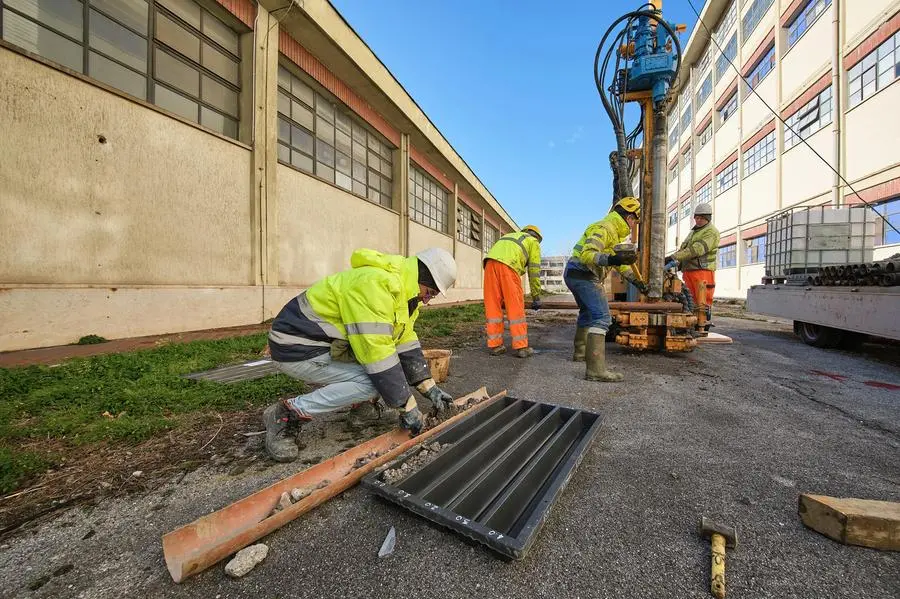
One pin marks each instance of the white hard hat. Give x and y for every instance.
(441, 265)
(703, 209)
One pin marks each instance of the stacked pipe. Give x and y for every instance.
(885, 273)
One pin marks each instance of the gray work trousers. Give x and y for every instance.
(344, 383)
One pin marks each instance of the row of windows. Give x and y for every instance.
(673, 135)
(754, 253)
(876, 71)
(760, 154)
(765, 65)
(729, 108)
(318, 137)
(491, 235)
(727, 23)
(805, 18)
(468, 225)
(703, 195)
(729, 52)
(428, 201)
(727, 178)
(673, 217)
(705, 90)
(706, 135)
(753, 16)
(890, 210)
(169, 52)
(813, 116)
(686, 118)
(686, 208)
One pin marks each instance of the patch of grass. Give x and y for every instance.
(443, 322)
(91, 340)
(17, 466)
(129, 396)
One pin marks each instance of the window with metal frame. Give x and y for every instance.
(705, 90)
(727, 22)
(753, 16)
(686, 165)
(673, 173)
(491, 235)
(468, 225)
(729, 109)
(686, 208)
(428, 201)
(318, 136)
(759, 155)
(673, 217)
(706, 135)
(723, 62)
(875, 71)
(704, 193)
(728, 256)
(756, 250)
(673, 131)
(762, 68)
(686, 117)
(705, 60)
(805, 18)
(727, 178)
(890, 210)
(190, 64)
(813, 116)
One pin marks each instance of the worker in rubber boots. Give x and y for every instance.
(510, 257)
(352, 333)
(592, 258)
(697, 256)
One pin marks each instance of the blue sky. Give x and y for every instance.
(510, 85)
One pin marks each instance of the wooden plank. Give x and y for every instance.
(863, 522)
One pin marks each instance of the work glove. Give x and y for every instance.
(642, 286)
(439, 398)
(411, 417)
(671, 264)
(618, 259)
(535, 304)
(670, 258)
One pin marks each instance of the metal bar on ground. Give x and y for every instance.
(204, 542)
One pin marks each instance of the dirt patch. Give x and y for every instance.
(232, 445)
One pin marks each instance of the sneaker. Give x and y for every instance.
(525, 352)
(280, 438)
(498, 351)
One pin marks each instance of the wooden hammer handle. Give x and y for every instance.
(717, 571)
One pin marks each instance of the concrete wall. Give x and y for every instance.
(808, 55)
(866, 151)
(703, 162)
(308, 209)
(754, 112)
(759, 194)
(727, 138)
(803, 175)
(72, 214)
(864, 15)
(725, 209)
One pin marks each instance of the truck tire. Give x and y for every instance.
(818, 335)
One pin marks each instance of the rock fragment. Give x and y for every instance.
(246, 559)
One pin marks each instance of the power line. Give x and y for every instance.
(712, 38)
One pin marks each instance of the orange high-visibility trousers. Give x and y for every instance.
(692, 279)
(503, 288)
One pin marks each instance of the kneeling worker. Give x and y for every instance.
(506, 262)
(592, 257)
(352, 332)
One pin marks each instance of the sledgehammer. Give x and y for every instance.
(720, 536)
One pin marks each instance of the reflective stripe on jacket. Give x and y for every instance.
(600, 238)
(368, 306)
(520, 251)
(700, 249)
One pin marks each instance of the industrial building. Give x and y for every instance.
(175, 165)
(828, 68)
(552, 268)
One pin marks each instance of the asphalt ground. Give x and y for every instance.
(733, 432)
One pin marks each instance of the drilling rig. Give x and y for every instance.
(637, 61)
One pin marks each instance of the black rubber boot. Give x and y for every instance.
(281, 426)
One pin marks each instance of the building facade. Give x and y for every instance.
(174, 165)
(828, 68)
(552, 268)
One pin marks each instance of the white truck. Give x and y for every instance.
(820, 274)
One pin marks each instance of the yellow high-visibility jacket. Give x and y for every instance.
(520, 251)
(600, 238)
(700, 249)
(367, 306)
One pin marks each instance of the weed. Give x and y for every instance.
(16, 466)
(91, 340)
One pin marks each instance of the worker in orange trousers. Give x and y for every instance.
(510, 257)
